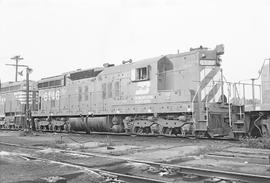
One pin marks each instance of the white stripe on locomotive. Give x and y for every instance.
(211, 83)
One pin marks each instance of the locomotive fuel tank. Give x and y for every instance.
(88, 124)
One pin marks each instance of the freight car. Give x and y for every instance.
(13, 103)
(175, 94)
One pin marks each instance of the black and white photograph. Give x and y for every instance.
(134, 91)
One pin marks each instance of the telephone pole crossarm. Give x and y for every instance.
(17, 58)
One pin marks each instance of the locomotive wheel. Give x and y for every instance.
(163, 131)
(168, 131)
(58, 129)
(183, 133)
(37, 128)
(147, 130)
(140, 131)
(50, 127)
(66, 127)
(176, 131)
(45, 128)
(135, 130)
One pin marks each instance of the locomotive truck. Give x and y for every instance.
(175, 94)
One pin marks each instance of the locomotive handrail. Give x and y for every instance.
(230, 115)
(192, 103)
(260, 71)
(207, 111)
(168, 71)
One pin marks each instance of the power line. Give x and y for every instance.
(17, 58)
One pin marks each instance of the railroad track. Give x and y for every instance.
(108, 175)
(204, 174)
(125, 134)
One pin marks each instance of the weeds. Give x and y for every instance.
(258, 143)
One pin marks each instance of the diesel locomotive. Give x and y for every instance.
(257, 115)
(13, 103)
(176, 94)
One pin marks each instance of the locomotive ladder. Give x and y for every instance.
(238, 126)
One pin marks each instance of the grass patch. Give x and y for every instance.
(258, 143)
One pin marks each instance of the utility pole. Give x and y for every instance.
(17, 58)
(27, 112)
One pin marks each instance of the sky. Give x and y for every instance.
(56, 36)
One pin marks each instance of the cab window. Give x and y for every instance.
(140, 74)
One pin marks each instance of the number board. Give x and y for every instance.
(208, 62)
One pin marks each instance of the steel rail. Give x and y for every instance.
(204, 172)
(106, 173)
(124, 177)
(132, 134)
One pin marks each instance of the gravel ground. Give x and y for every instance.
(16, 169)
(159, 149)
